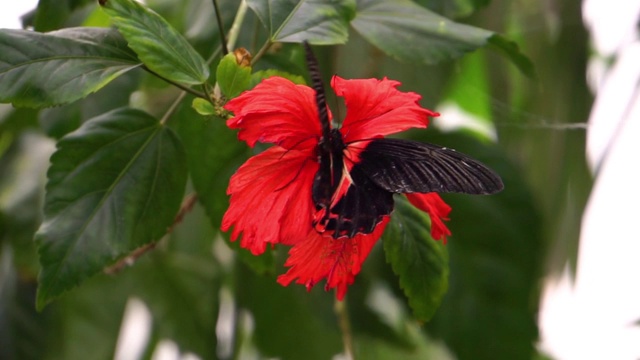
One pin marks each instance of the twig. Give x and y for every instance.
(223, 38)
(180, 86)
(187, 205)
(340, 307)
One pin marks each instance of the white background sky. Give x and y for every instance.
(10, 12)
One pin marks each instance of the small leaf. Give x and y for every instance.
(40, 70)
(411, 33)
(114, 185)
(419, 261)
(258, 76)
(203, 107)
(232, 78)
(161, 47)
(320, 22)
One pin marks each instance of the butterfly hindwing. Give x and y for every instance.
(405, 166)
(361, 208)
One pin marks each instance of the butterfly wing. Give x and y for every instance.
(405, 166)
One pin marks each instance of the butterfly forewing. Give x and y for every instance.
(405, 166)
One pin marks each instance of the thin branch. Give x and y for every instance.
(237, 24)
(261, 52)
(180, 86)
(213, 56)
(187, 205)
(172, 109)
(223, 38)
(340, 307)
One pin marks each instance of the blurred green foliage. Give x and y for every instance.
(219, 302)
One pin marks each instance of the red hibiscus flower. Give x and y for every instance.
(277, 197)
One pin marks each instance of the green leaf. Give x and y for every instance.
(411, 33)
(39, 70)
(61, 120)
(203, 107)
(419, 261)
(53, 14)
(317, 21)
(232, 78)
(161, 47)
(114, 185)
(258, 76)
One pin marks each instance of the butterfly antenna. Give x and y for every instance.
(316, 82)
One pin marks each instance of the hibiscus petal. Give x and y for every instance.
(271, 199)
(276, 111)
(376, 108)
(338, 260)
(438, 210)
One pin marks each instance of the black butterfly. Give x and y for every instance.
(387, 166)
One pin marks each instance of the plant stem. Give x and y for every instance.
(340, 307)
(187, 205)
(262, 50)
(223, 38)
(237, 24)
(180, 86)
(173, 107)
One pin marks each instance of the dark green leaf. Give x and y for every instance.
(114, 185)
(39, 70)
(232, 78)
(59, 121)
(419, 261)
(317, 21)
(52, 14)
(411, 33)
(161, 47)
